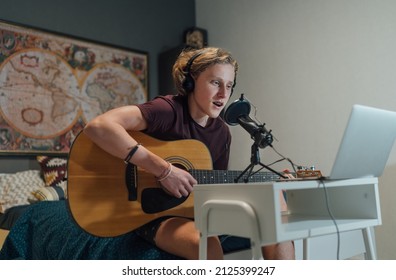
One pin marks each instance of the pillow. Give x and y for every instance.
(49, 193)
(54, 171)
(16, 189)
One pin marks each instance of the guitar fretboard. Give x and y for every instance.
(229, 176)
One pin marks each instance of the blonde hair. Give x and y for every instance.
(197, 61)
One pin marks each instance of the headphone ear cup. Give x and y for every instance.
(188, 83)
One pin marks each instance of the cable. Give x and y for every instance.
(293, 165)
(255, 116)
(255, 110)
(321, 182)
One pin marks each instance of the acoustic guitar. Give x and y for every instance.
(108, 198)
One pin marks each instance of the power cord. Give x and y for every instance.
(321, 182)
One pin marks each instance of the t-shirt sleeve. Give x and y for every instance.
(159, 115)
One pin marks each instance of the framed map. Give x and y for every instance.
(51, 85)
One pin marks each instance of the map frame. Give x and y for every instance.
(80, 58)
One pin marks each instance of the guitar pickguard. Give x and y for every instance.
(155, 200)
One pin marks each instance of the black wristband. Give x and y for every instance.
(131, 153)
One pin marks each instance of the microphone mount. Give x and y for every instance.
(238, 113)
(261, 136)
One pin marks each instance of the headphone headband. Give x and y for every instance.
(190, 62)
(189, 83)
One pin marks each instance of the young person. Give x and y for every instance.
(205, 79)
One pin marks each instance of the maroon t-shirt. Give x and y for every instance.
(168, 118)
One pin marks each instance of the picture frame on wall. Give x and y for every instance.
(52, 84)
(195, 37)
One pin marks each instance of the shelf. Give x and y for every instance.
(299, 227)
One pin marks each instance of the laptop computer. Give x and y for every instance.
(366, 144)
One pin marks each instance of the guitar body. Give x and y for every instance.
(109, 198)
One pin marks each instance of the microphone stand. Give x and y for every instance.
(255, 160)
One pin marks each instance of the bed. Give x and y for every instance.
(8, 219)
(46, 231)
(36, 223)
(39, 225)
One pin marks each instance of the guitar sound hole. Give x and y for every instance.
(179, 166)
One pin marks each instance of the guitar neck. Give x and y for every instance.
(229, 176)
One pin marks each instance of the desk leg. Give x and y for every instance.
(203, 245)
(369, 244)
(256, 250)
(203, 238)
(306, 249)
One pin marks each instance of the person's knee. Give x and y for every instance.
(215, 252)
(280, 251)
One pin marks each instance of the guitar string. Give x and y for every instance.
(217, 176)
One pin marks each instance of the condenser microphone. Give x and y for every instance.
(238, 113)
(238, 108)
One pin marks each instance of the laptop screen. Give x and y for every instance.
(366, 144)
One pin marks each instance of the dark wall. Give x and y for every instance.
(152, 26)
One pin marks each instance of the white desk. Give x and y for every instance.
(253, 210)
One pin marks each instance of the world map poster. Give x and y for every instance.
(51, 85)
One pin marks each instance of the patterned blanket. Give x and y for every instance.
(46, 231)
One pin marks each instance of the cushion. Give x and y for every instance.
(49, 193)
(16, 189)
(54, 170)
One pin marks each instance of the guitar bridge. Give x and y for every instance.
(130, 181)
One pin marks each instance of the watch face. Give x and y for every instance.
(196, 38)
